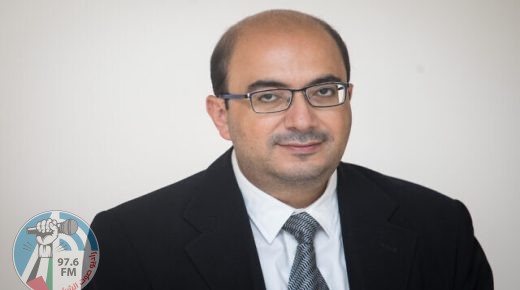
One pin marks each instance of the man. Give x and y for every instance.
(279, 210)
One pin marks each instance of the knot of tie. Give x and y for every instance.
(302, 226)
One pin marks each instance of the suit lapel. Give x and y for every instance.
(225, 253)
(378, 253)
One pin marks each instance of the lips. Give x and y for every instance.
(301, 148)
(300, 143)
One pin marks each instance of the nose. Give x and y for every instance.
(301, 115)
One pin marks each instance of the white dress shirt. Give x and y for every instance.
(277, 248)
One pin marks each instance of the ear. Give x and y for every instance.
(350, 88)
(217, 111)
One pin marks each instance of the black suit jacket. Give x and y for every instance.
(195, 234)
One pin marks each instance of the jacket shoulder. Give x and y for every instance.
(398, 189)
(417, 206)
(173, 197)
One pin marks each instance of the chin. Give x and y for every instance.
(301, 174)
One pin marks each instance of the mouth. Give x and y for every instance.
(301, 148)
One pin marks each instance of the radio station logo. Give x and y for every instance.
(55, 250)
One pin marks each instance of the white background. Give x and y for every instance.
(103, 101)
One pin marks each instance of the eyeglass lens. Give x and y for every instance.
(322, 95)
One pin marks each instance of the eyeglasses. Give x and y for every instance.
(277, 100)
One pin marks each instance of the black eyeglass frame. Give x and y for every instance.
(303, 90)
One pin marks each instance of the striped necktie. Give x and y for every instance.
(305, 275)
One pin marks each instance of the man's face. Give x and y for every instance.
(302, 143)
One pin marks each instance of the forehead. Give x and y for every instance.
(293, 54)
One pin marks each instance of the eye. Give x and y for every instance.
(325, 92)
(267, 97)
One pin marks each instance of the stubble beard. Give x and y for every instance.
(301, 174)
(269, 174)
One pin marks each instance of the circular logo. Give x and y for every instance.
(55, 250)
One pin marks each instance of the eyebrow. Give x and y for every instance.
(325, 79)
(262, 84)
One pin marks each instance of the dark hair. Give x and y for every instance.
(224, 49)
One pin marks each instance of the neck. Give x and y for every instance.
(296, 193)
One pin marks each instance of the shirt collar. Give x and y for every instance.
(269, 214)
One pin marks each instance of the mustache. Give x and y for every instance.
(301, 137)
